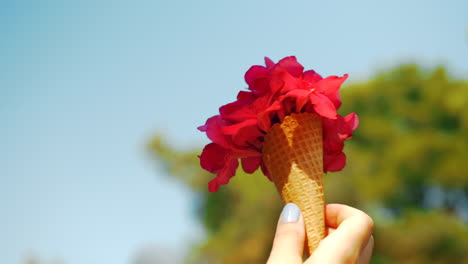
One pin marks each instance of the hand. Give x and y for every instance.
(349, 238)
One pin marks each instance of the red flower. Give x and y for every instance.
(275, 91)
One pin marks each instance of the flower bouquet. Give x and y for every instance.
(287, 124)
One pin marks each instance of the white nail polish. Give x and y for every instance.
(290, 213)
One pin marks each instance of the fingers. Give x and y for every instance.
(353, 223)
(349, 239)
(288, 244)
(366, 253)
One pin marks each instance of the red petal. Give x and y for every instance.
(323, 106)
(224, 175)
(337, 130)
(290, 65)
(276, 83)
(261, 86)
(290, 83)
(213, 129)
(251, 164)
(213, 157)
(334, 162)
(335, 98)
(239, 110)
(300, 98)
(213, 185)
(243, 132)
(269, 63)
(352, 121)
(254, 73)
(311, 76)
(264, 118)
(332, 147)
(331, 84)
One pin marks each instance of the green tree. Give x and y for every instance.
(406, 168)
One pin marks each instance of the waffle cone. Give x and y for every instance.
(293, 154)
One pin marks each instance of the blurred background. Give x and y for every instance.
(100, 100)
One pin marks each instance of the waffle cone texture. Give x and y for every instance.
(293, 154)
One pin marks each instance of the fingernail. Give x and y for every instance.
(290, 213)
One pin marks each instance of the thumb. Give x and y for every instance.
(288, 244)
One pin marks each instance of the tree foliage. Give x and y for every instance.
(406, 168)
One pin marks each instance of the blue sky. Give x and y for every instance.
(85, 84)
